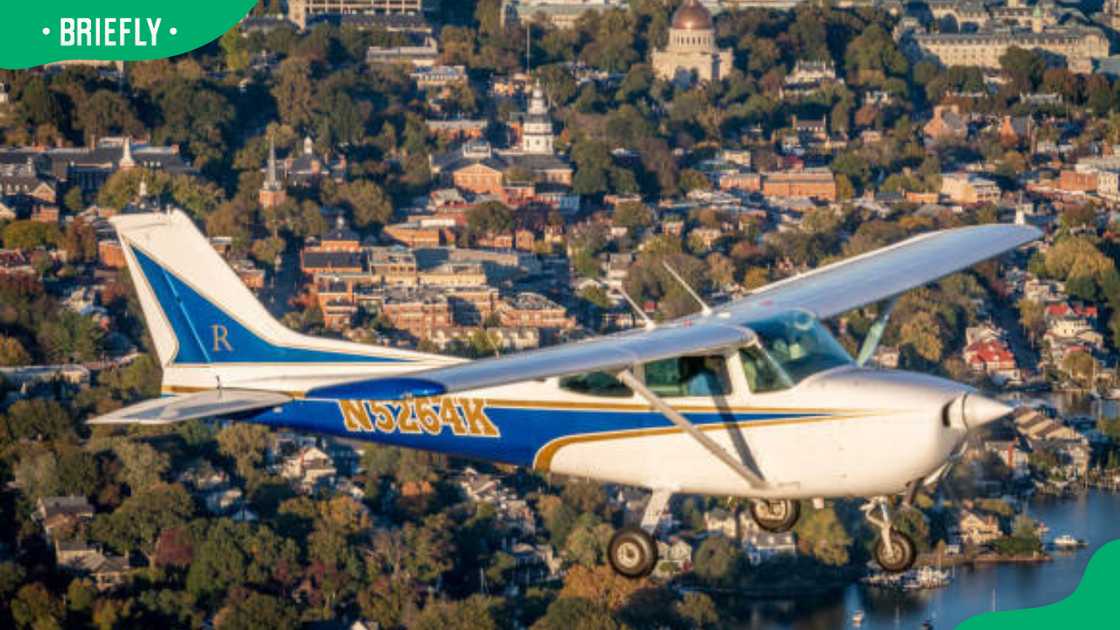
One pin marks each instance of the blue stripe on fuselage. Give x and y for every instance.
(207, 334)
(523, 431)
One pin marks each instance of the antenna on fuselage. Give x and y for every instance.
(650, 324)
(704, 308)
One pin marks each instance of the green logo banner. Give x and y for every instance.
(111, 30)
(1092, 605)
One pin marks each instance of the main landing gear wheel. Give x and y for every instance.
(777, 516)
(898, 556)
(632, 552)
(894, 551)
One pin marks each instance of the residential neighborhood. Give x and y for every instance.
(485, 178)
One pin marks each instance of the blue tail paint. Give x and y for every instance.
(207, 334)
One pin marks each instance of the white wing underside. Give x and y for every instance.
(192, 406)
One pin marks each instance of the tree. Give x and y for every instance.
(692, 179)
(138, 522)
(1024, 67)
(593, 163)
(1081, 367)
(240, 554)
(576, 612)
(256, 611)
(68, 337)
(367, 201)
(107, 113)
(821, 534)
(632, 214)
(587, 542)
(235, 49)
(47, 474)
(924, 334)
(490, 217)
(477, 612)
(80, 240)
(198, 119)
(143, 465)
(697, 610)
(37, 418)
(715, 559)
(29, 235)
(246, 444)
(174, 548)
(12, 352)
(293, 92)
(430, 547)
(1032, 317)
(35, 606)
(80, 595)
(602, 586)
(721, 270)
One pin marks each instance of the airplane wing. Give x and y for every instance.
(885, 272)
(191, 406)
(826, 292)
(611, 353)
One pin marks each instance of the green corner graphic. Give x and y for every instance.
(111, 30)
(1092, 605)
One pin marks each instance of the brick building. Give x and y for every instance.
(813, 183)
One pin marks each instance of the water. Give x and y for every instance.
(1092, 517)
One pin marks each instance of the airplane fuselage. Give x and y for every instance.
(864, 431)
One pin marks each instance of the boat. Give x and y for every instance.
(1065, 541)
(857, 618)
(924, 578)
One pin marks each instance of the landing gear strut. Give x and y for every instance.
(894, 551)
(633, 551)
(775, 516)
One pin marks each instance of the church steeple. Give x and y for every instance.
(272, 191)
(271, 181)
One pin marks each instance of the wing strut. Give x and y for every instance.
(627, 377)
(875, 334)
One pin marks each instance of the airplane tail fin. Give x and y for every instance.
(200, 313)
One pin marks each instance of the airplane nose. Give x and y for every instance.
(976, 410)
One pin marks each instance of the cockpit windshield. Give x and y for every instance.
(792, 347)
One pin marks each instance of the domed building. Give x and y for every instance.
(691, 52)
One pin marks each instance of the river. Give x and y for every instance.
(1092, 517)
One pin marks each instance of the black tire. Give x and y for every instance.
(775, 516)
(632, 552)
(904, 553)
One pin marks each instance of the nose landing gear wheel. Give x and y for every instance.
(775, 516)
(898, 556)
(632, 552)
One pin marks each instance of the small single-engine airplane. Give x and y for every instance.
(754, 398)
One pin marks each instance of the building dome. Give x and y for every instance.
(692, 16)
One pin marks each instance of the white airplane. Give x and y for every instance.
(754, 398)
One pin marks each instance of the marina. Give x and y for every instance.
(971, 590)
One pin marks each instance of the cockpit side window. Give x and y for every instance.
(595, 384)
(762, 374)
(689, 376)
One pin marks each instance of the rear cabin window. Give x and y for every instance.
(595, 384)
(688, 376)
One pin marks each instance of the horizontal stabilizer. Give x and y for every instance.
(218, 402)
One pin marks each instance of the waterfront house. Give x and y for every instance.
(977, 529)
